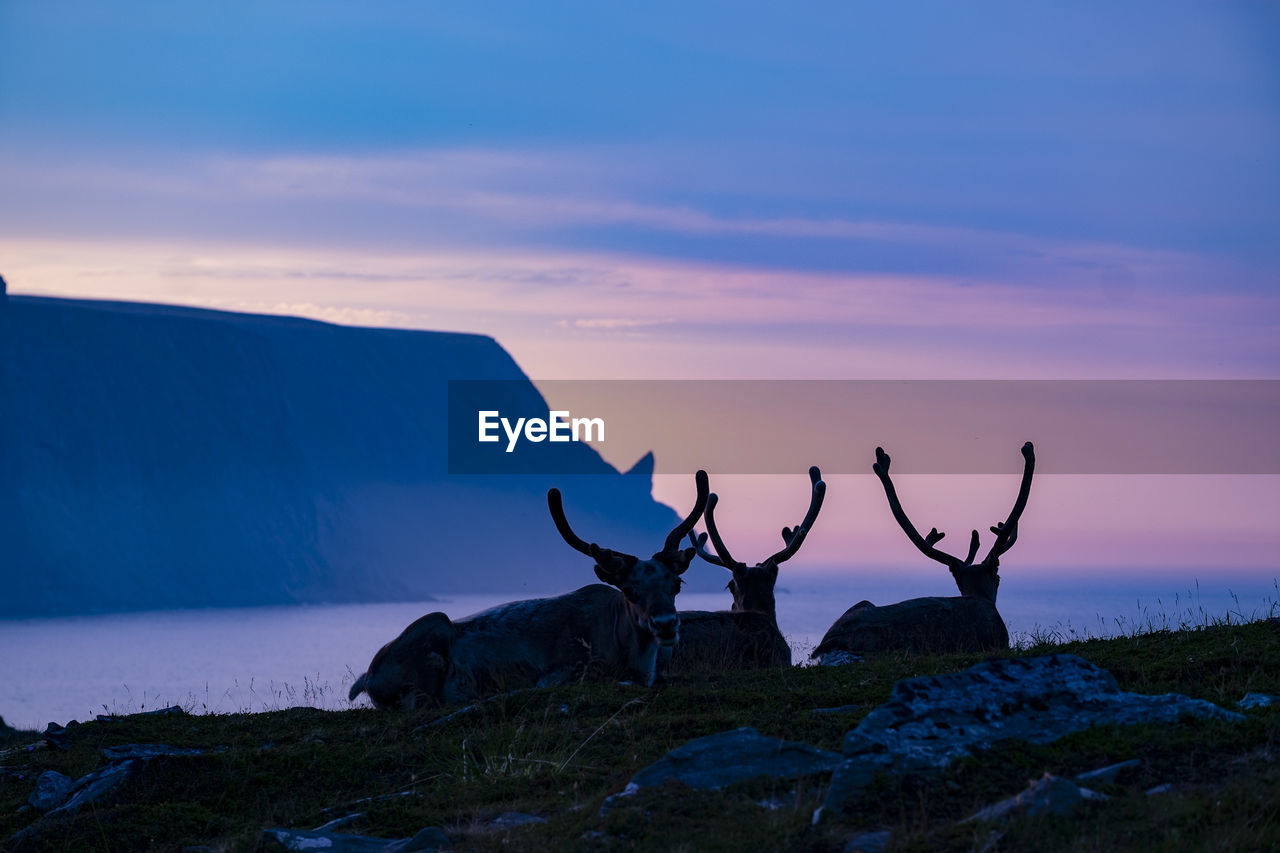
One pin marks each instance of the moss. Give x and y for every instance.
(559, 752)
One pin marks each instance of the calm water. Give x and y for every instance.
(222, 661)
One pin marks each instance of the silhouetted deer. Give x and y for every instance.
(748, 634)
(543, 641)
(968, 623)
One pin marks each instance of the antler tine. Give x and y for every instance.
(726, 559)
(797, 535)
(973, 549)
(923, 543)
(699, 543)
(1007, 531)
(556, 505)
(682, 529)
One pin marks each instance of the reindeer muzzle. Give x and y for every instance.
(666, 629)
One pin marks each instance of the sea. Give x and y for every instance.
(269, 658)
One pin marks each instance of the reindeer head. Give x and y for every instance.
(980, 580)
(752, 586)
(649, 586)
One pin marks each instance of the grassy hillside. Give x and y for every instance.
(558, 753)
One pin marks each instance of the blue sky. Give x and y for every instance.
(814, 190)
(1152, 126)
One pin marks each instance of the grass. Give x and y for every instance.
(559, 752)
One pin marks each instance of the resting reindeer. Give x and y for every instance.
(543, 641)
(747, 635)
(968, 623)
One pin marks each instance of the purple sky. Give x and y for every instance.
(731, 190)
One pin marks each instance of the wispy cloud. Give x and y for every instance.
(532, 200)
(609, 323)
(690, 318)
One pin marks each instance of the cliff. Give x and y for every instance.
(155, 456)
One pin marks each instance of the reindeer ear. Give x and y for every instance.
(683, 558)
(612, 567)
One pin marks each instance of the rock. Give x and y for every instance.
(1046, 795)
(839, 709)
(1257, 700)
(1106, 775)
(868, 842)
(52, 790)
(510, 820)
(722, 759)
(838, 658)
(1160, 789)
(431, 838)
(91, 787)
(146, 751)
(171, 711)
(338, 821)
(928, 722)
(57, 736)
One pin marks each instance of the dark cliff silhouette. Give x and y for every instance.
(155, 456)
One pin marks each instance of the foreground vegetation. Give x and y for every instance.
(557, 753)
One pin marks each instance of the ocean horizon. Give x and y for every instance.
(267, 658)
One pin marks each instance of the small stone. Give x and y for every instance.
(839, 709)
(1107, 775)
(1257, 700)
(146, 751)
(57, 737)
(509, 820)
(429, 839)
(868, 842)
(52, 790)
(1047, 795)
(1160, 789)
(839, 658)
(722, 759)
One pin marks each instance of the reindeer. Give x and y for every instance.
(543, 641)
(967, 623)
(747, 635)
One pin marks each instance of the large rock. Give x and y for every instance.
(722, 759)
(928, 722)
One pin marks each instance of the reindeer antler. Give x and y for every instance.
(682, 529)
(725, 559)
(1007, 531)
(699, 543)
(794, 538)
(923, 543)
(556, 505)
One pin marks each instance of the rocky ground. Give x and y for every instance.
(1064, 747)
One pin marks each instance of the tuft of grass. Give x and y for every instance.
(559, 752)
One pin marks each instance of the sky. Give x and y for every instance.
(695, 190)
